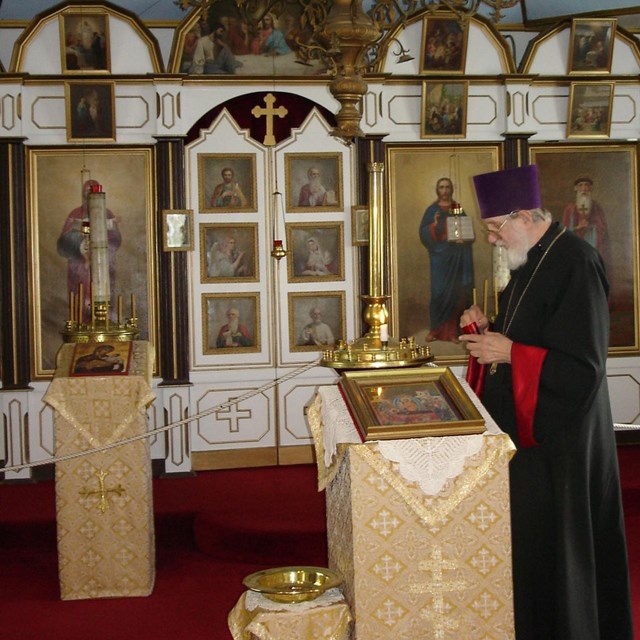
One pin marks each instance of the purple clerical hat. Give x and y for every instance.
(501, 192)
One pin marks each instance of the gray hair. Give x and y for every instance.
(540, 215)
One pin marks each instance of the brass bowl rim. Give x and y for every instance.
(254, 582)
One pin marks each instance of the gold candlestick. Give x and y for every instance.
(376, 349)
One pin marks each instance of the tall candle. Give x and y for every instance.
(376, 229)
(133, 305)
(81, 303)
(71, 307)
(485, 295)
(100, 286)
(275, 217)
(119, 310)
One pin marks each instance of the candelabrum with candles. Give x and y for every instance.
(376, 349)
(98, 327)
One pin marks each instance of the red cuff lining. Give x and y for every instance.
(526, 367)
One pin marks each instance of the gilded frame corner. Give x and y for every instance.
(392, 404)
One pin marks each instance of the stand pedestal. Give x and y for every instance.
(418, 564)
(256, 618)
(106, 545)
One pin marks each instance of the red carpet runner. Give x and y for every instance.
(211, 531)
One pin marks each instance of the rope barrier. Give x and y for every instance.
(168, 427)
(199, 416)
(625, 427)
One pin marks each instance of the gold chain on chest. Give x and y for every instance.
(508, 321)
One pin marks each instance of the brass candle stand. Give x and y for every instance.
(100, 328)
(94, 231)
(376, 349)
(371, 351)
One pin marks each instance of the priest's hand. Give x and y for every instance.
(474, 314)
(489, 347)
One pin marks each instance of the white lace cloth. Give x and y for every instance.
(338, 427)
(429, 462)
(255, 600)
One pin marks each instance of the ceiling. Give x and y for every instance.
(528, 12)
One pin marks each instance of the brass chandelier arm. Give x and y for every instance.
(349, 40)
(385, 13)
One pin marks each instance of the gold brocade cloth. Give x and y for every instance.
(104, 506)
(418, 565)
(256, 618)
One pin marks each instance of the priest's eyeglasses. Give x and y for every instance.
(496, 232)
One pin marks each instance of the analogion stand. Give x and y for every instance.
(106, 545)
(418, 528)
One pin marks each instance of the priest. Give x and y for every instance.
(544, 369)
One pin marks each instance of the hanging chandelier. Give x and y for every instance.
(347, 38)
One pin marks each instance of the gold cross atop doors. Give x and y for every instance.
(269, 112)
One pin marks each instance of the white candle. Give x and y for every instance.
(485, 294)
(99, 246)
(81, 304)
(384, 333)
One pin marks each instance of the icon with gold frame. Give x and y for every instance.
(227, 182)
(177, 229)
(84, 37)
(90, 111)
(590, 105)
(101, 359)
(444, 109)
(230, 323)
(317, 251)
(591, 49)
(359, 225)
(316, 320)
(444, 45)
(229, 252)
(313, 182)
(409, 403)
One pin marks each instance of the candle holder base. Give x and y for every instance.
(369, 352)
(101, 329)
(101, 332)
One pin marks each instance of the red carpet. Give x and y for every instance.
(203, 523)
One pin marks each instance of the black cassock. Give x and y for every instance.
(570, 567)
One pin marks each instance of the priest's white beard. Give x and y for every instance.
(233, 325)
(516, 257)
(516, 251)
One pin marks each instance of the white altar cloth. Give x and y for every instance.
(430, 462)
(419, 528)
